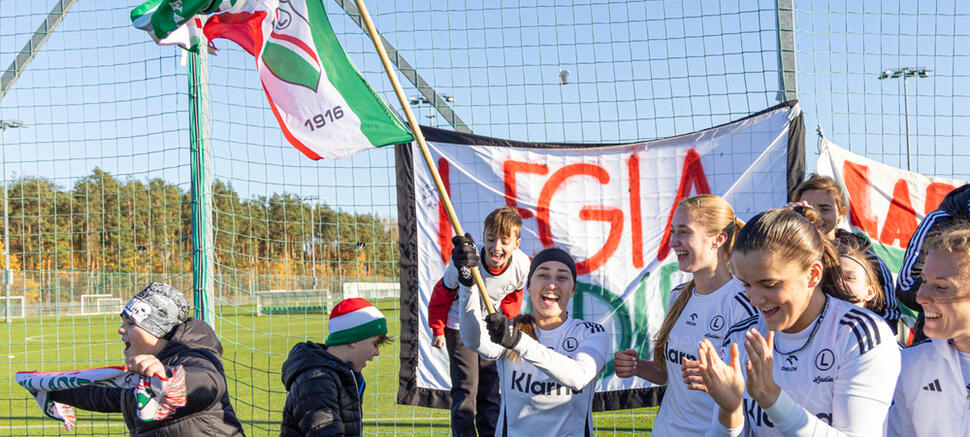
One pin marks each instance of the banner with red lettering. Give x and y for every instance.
(885, 203)
(609, 205)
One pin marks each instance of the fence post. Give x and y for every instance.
(202, 248)
(786, 51)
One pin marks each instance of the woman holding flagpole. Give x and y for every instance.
(547, 360)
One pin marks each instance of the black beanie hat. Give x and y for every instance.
(552, 254)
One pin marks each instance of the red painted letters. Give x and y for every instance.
(509, 170)
(691, 177)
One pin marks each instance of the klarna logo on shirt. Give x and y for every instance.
(523, 382)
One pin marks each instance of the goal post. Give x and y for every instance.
(99, 303)
(15, 304)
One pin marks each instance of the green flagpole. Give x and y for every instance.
(202, 247)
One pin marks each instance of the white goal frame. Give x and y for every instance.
(99, 303)
(13, 307)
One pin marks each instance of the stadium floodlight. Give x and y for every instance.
(421, 100)
(7, 274)
(905, 72)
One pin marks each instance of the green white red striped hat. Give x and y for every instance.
(353, 320)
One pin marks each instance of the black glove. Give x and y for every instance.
(464, 256)
(501, 331)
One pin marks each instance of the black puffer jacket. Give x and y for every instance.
(207, 412)
(956, 204)
(325, 394)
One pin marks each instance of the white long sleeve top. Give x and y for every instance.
(548, 389)
(839, 384)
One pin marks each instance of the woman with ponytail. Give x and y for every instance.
(814, 364)
(702, 232)
(548, 375)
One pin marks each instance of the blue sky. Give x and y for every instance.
(102, 94)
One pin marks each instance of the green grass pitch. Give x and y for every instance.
(255, 347)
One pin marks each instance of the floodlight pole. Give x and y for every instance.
(904, 73)
(7, 276)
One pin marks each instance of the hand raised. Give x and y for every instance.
(760, 367)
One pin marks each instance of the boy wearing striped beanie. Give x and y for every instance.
(324, 381)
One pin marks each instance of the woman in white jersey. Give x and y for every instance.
(548, 375)
(814, 363)
(933, 398)
(702, 232)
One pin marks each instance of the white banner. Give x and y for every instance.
(608, 206)
(885, 203)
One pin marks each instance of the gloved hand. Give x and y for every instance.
(464, 256)
(501, 331)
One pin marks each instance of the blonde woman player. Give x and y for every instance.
(933, 399)
(702, 233)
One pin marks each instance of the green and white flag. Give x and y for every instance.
(173, 22)
(322, 103)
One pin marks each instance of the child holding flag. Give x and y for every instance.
(475, 398)
(161, 341)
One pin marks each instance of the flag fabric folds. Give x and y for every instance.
(157, 398)
(324, 106)
(173, 22)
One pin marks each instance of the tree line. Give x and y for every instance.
(111, 225)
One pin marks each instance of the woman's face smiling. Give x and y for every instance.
(695, 248)
(780, 289)
(824, 202)
(550, 288)
(945, 298)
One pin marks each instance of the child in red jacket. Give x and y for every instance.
(474, 381)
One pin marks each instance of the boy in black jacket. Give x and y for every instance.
(159, 336)
(324, 380)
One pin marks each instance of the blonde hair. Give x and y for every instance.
(716, 216)
(955, 239)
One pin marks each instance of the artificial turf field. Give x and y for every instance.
(255, 348)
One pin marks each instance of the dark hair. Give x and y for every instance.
(716, 216)
(790, 236)
(851, 249)
(816, 181)
(526, 322)
(383, 339)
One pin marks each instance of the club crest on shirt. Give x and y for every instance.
(717, 323)
(570, 344)
(824, 360)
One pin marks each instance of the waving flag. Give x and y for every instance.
(323, 104)
(173, 22)
(158, 398)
